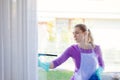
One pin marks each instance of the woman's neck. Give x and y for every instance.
(85, 45)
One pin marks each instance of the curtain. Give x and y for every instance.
(18, 40)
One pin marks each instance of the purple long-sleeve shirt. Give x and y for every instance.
(74, 52)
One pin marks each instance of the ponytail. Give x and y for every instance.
(90, 38)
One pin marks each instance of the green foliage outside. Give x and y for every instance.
(55, 75)
(59, 75)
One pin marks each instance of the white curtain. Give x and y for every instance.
(18, 40)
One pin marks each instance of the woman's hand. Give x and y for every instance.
(99, 71)
(45, 65)
(97, 74)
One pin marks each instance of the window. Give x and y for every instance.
(58, 36)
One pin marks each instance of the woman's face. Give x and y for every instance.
(78, 34)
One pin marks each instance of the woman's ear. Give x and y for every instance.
(86, 32)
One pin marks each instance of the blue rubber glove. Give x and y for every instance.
(97, 74)
(99, 71)
(45, 65)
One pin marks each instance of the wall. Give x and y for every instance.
(18, 40)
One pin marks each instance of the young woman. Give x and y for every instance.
(86, 55)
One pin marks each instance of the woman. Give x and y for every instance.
(85, 54)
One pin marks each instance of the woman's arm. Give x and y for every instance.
(66, 54)
(100, 58)
(56, 62)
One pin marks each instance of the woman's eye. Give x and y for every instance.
(77, 32)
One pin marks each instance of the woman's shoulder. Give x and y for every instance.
(96, 47)
(74, 50)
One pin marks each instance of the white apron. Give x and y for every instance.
(88, 65)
